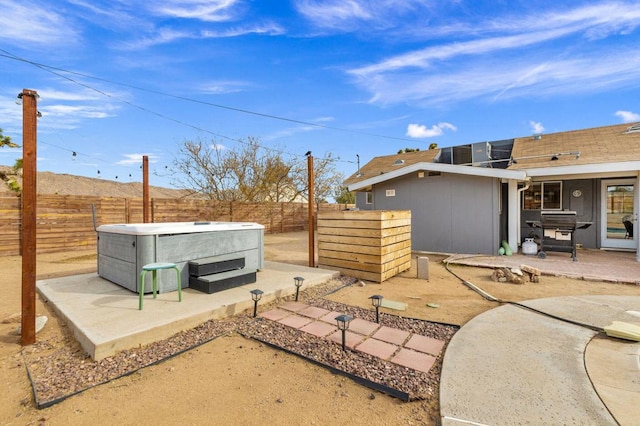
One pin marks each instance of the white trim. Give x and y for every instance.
(439, 167)
(608, 243)
(601, 169)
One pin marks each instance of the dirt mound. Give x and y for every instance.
(65, 184)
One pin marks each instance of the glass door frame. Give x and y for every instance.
(619, 243)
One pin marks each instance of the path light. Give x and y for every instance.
(298, 282)
(376, 301)
(255, 296)
(343, 325)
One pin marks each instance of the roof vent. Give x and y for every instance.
(398, 162)
(633, 129)
(537, 136)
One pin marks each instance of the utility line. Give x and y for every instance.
(57, 71)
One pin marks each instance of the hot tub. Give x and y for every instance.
(123, 249)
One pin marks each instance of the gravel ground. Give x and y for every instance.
(59, 369)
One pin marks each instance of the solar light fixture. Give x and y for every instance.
(343, 324)
(298, 282)
(255, 296)
(376, 301)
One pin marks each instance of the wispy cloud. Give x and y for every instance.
(628, 116)
(27, 22)
(422, 131)
(556, 52)
(204, 10)
(134, 159)
(220, 87)
(536, 127)
(170, 35)
(351, 15)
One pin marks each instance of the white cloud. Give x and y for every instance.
(204, 10)
(421, 131)
(628, 116)
(224, 86)
(30, 22)
(134, 159)
(536, 127)
(512, 56)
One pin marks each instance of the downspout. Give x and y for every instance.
(527, 184)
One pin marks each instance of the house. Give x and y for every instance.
(469, 198)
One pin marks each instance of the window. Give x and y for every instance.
(369, 197)
(543, 196)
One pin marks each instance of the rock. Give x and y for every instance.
(517, 272)
(531, 270)
(40, 323)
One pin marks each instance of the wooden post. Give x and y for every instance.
(312, 245)
(145, 189)
(29, 200)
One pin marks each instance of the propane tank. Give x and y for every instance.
(529, 247)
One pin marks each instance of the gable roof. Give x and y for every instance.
(384, 164)
(595, 150)
(382, 169)
(599, 150)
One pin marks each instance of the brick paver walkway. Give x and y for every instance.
(397, 346)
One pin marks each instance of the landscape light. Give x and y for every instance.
(343, 324)
(298, 282)
(376, 301)
(256, 295)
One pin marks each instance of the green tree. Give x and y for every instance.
(6, 141)
(11, 178)
(403, 151)
(343, 196)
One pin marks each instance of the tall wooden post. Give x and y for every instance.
(312, 243)
(29, 200)
(145, 189)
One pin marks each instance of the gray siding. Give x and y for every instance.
(449, 213)
(586, 208)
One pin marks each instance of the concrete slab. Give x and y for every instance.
(105, 319)
(377, 348)
(295, 321)
(319, 328)
(275, 314)
(351, 339)
(313, 312)
(512, 366)
(391, 335)
(414, 359)
(613, 366)
(330, 318)
(425, 344)
(361, 326)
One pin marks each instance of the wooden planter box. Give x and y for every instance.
(372, 245)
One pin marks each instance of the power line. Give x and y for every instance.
(56, 71)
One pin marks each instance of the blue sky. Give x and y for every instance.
(121, 79)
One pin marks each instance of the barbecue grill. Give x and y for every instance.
(558, 232)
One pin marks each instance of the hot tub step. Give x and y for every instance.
(222, 281)
(214, 265)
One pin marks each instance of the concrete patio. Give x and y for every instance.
(105, 319)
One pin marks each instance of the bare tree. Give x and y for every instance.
(250, 173)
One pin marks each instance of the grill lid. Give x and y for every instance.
(558, 219)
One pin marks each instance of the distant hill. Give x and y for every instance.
(64, 184)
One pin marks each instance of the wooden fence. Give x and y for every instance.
(66, 222)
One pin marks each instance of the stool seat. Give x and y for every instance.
(154, 268)
(159, 265)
